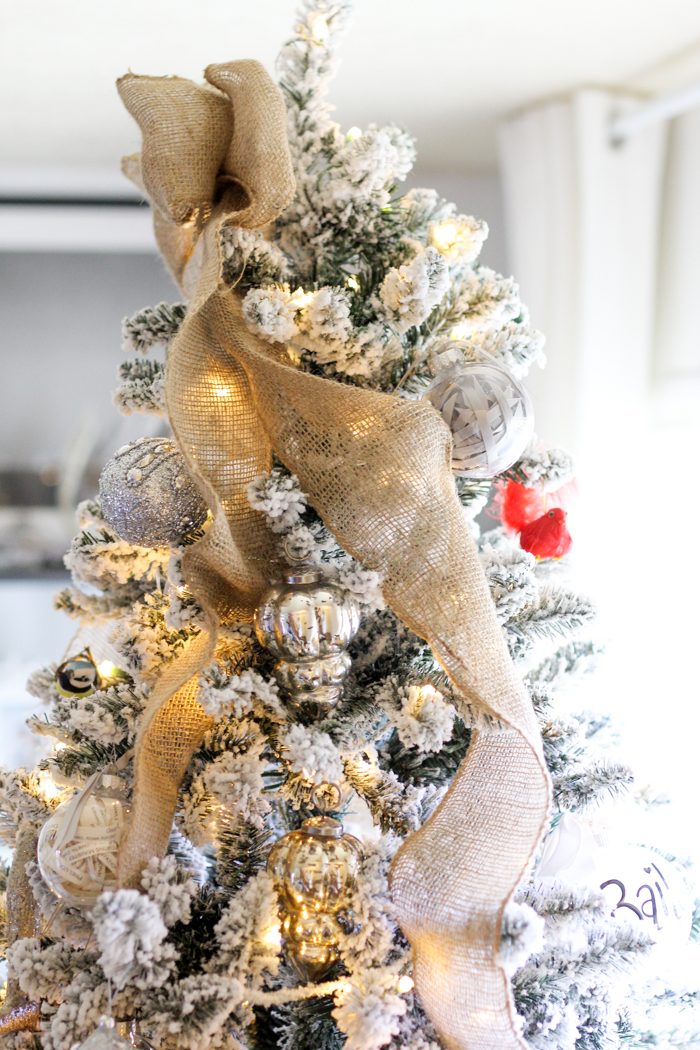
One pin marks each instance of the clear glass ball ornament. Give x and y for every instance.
(315, 872)
(488, 411)
(78, 676)
(148, 497)
(78, 844)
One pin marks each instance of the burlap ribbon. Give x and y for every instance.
(378, 471)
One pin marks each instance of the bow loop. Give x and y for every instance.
(186, 129)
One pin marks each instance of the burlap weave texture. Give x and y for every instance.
(377, 469)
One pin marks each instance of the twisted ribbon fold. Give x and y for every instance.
(378, 472)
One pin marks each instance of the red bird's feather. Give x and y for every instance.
(521, 504)
(547, 536)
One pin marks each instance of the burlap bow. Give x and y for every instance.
(378, 471)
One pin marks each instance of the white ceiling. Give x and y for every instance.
(447, 69)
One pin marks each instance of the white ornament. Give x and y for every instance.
(645, 889)
(641, 887)
(78, 844)
(488, 411)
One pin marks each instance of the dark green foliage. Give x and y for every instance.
(153, 326)
(590, 785)
(431, 767)
(469, 489)
(566, 664)
(306, 1025)
(87, 756)
(558, 612)
(384, 646)
(141, 370)
(196, 942)
(242, 852)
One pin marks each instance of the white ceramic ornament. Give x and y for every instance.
(488, 411)
(78, 844)
(641, 887)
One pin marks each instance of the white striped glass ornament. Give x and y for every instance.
(488, 411)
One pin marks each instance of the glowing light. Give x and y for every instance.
(444, 235)
(221, 391)
(60, 746)
(460, 331)
(355, 132)
(405, 984)
(106, 669)
(273, 936)
(49, 789)
(299, 299)
(352, 282)
(308, 774)
(319, 28)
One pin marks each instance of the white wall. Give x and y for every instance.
(60, 321)
(477, 195)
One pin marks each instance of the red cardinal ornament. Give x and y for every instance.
(548, 536)
(521, 504)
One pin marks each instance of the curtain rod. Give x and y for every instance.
(665, 107)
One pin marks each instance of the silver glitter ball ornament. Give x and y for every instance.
(307, 622)
(147, 495)
(488, 411)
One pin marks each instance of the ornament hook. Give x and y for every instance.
(327, 797)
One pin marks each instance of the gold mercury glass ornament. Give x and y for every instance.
(315, 872)
(307, 622)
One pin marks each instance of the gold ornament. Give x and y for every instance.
(78, 844)
(78, 676)
(115, 1035)
(19, 1013)
(315, 871)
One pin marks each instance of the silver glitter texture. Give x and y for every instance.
(147, 496)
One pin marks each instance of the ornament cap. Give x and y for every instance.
(323, 827)
(446, 354)
(302, 575)
(106, 1021)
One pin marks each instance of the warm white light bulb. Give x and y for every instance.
(49, 789)
(354, 133)
(405, 984)
(221, 391)
(319, 28)
(273, 936)
(444, 235)
(352, 282)
(106, 669)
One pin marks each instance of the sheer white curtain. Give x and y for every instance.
(605, 243)
(582, 221)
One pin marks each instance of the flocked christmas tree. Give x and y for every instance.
(329, 732)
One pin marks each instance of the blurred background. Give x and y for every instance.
(572, 128)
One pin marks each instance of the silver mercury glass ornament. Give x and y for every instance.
(307, 622)
(148, 497)
(488, 411)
